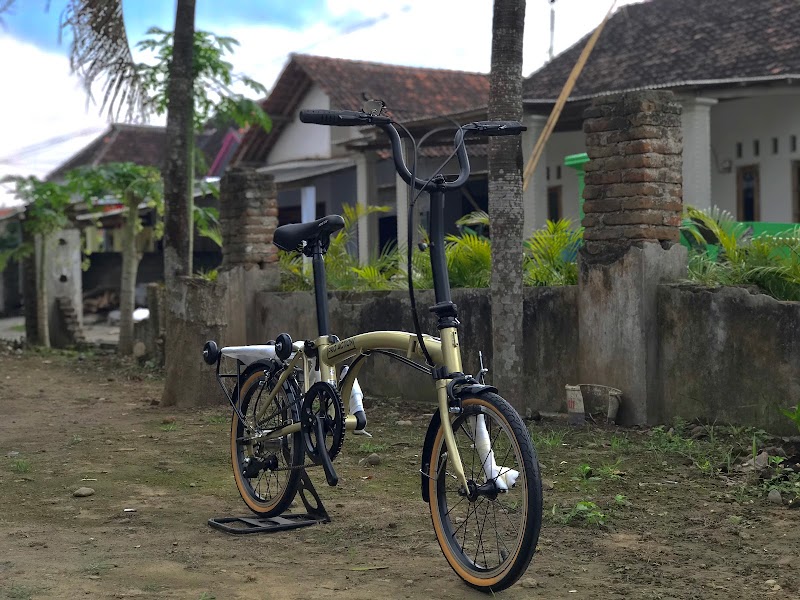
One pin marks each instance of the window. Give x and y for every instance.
(756, 148)
(793, 143)
(558, 172)
(548, 173)
(738, 149)
(774, 145)
(554, 203)
(747, 192)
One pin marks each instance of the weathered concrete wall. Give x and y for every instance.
(223, 310)
(728, 355)
(550, 328)
(63, 274)
(633, 204)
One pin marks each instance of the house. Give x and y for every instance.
(143, 145)
(318, 169)
(734, 65)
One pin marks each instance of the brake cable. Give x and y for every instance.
(412, 199)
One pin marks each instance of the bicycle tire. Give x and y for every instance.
(266, 491)
(495, 563)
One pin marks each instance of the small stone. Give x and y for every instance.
(94, 576)
(698, 431)
(744, 535)
(403, 423)
(547, 484)
(529, 582)
(168, 420)
(83, 492)
(12, 454)
(774, 496)
(373, 459)
(155, 402)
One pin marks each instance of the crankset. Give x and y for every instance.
(322, 426)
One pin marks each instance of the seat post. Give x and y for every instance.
(320, 288)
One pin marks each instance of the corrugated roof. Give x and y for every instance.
(681, 43)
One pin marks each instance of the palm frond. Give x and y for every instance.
(100, 53)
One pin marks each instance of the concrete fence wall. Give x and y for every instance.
(724, 355)
(550, 328)
(728, 355)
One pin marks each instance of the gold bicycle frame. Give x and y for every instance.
(444, 352)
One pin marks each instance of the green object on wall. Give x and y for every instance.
(577, 162)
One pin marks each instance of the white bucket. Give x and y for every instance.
(577, 414)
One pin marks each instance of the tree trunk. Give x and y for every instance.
(42, 318)
(505, 201)
(178, 176)
(178, 170)
(130, 265)
(30, 297)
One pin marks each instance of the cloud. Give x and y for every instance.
(42, 101)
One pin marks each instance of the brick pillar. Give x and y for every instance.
(248, 218)
(633, 202)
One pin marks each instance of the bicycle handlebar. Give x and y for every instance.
(351, 118)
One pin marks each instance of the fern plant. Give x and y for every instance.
(724, 252)
(342, 268)
(551, 254)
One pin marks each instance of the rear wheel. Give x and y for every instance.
(263, 468)
(488, 533)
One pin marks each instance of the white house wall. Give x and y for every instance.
(299, 141)
(559, 146)
(744, 121)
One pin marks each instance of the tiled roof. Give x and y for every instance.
(411, 93)
(681, 43)
(140, 144)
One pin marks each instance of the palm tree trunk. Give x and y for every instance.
(505, 201)
(29, 293)
(178, 170)
(130, 265)
(42, 318)
(178, 181)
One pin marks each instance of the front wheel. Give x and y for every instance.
(488, 533)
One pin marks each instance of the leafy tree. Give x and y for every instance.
(134, 186)
(45, 213)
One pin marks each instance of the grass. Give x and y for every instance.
(549, 438)
(21, 592)
(169, 427)
(218, 419)
(371, 447)
(20, 465)
(584, 512)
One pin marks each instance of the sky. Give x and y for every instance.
(45, 116)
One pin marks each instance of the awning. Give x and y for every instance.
(297, 170)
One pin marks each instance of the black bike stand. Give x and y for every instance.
(314, 514)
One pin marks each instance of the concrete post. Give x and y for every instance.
(534, 199)
(223, 310)
(64, 280)
(697, 164)
(633, 201)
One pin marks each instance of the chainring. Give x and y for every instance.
(322, 400)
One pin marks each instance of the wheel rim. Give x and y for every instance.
(483, 534)
(262, 466)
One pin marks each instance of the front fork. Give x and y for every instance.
(451, 352)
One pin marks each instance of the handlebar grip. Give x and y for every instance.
(341, 118)
(496, 128)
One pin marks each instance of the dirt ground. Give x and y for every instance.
(654, 525)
